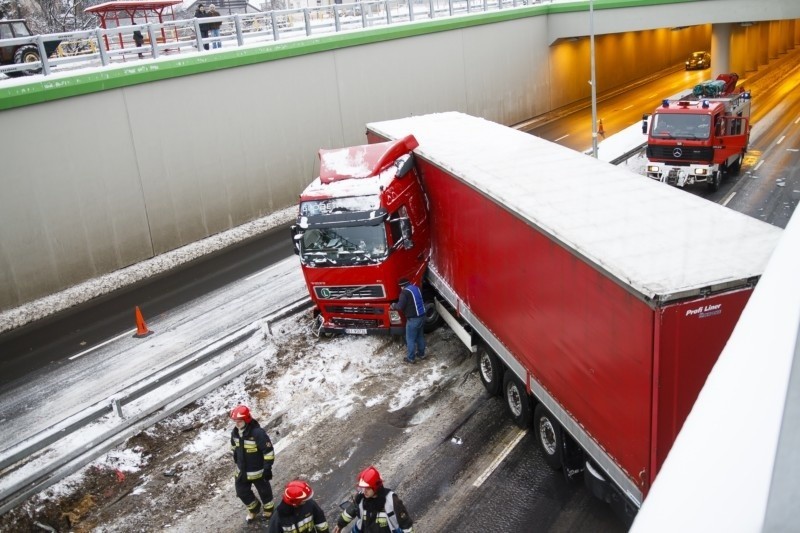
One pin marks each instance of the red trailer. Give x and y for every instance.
(593, 304)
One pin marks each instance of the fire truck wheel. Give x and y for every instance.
(548, 435)
(517, 400)
(490, 369)
(715, 181)
(737, 165)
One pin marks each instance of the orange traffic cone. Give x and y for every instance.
(141, 327)
(600, 129)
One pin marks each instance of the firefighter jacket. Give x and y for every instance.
(385, 513)
(305, 518)
(252, 452)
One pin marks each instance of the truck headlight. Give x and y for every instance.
(394, 317)
(701, 171)
(652, 168)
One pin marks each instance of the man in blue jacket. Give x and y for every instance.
(411, 305)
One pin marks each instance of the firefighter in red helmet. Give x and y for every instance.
(253, 455)
(298, 512)
(375, 508)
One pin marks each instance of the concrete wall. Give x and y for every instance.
(134, 172)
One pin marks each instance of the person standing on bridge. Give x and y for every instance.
(213, 27)
(413, 308)
(199, 14)
(375, 508)
(254, 456)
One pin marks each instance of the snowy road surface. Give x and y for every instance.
(68, 388)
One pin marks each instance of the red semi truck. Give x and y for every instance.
(701, 136)
(591, 302)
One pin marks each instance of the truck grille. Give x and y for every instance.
(353, 310)
(678, 154)
(349, 292)
(355, 323)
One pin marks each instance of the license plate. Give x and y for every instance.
(356, 331)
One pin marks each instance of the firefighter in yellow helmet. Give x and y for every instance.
(375, 508)
(253, 455)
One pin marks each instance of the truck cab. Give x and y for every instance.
(361, 226)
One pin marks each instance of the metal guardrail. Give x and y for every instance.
(73, 460)
(104, 47)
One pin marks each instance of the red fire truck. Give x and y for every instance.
(701, 136)
(592, 304)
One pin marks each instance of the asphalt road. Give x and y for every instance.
(32, 349)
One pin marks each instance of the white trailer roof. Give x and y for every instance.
(659, 240)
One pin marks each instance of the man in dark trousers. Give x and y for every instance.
(298, 512)
(375, 508)
(199, 14)
(411, 305)
(253, 455)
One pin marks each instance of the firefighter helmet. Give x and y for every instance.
(297, 493)
(241, 412)
(370, 478)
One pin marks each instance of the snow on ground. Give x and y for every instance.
(304, 390)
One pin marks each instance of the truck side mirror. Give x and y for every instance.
(296, 236)
(644, 124)
(405, 167)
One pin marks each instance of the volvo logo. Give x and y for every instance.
(325, 292)
(677, 152)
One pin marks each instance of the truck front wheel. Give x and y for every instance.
(517, 400)
(432, 317)
(715, 181)
(490, 369)
(548, 435)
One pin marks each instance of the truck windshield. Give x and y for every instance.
(353, 245)
(685, 126)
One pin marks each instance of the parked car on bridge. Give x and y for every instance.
(21, 53)
(698, 60)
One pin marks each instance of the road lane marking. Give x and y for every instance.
(497, 460)
(562, 137)
(626, 108)
(796, 121)
(758, 165)
(781, 139)
(261, 273)
(728, 199)
(102, 344)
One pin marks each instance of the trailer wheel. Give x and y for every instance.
(490, 370)
(548, 435)
(715, 182)
(517, 400)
